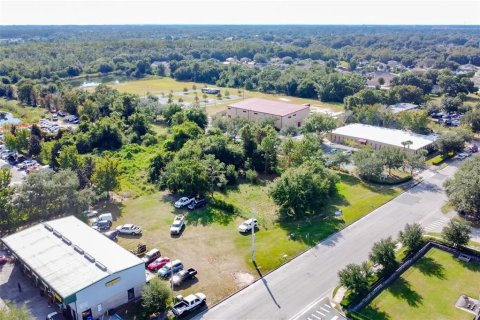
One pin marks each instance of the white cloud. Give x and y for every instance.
(239, 12)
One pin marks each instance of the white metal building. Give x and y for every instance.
(379, 137)
(78, 267)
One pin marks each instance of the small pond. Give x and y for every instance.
(7, 118)
(91, 82)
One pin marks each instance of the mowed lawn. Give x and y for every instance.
(154, 86)
(164, 85)
(212, 244)
(428, 290)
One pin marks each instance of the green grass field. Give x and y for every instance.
(212, 244)
(158, 86)
(154, 86)
(428, 290)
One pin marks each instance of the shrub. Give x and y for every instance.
(231, 174)
(440, 158)
(149, 139)
(251, 176)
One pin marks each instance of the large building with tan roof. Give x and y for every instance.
(285, 114)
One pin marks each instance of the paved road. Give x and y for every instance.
(17, 175)
(293, 289)
(322, 311)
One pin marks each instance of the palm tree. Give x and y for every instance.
(406, 144)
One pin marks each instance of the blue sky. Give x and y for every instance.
(239, 12)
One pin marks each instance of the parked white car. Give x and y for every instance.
(183, 201)
(105, 217)
(130, 229)
(177, 225)
(248, 225)
(90, 213)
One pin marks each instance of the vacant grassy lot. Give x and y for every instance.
(212, 244)
(428, 290)
(471, 100)
(153, 86)
(164, 85)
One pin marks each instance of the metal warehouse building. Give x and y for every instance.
(379, 137)
(283, 113)
(77, 266)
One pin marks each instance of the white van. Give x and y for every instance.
(104, 217)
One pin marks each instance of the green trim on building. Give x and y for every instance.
(70, 299)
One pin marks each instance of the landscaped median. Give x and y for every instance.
(428, 289)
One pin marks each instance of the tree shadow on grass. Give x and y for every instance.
(379, 188)
(208, 216)
(430, 267)
(401, 289)
(115, 208)
(472, 266)
(311, 230)
(372, 313)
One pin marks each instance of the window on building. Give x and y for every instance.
(294, 114)
(87, 315)
(244, 110)
(299, 124)
(131, 294)
(255, 113)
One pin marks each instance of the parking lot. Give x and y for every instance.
(19, 289)
(17, 175)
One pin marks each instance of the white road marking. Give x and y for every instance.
(304, 310)
(327, 311)
(316, 317)
(320, 313)
(334, 318)
(326, 305)
(438, 224)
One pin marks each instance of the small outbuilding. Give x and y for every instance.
(77, 267)
(380, 137)
(402, 106)
(284, 114)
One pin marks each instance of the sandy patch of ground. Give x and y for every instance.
(243, 279)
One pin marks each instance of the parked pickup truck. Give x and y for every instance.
(184, 275)
(189, 303)
(177, 225)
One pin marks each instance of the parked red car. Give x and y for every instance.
(158, 263)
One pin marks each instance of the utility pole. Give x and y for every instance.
(171, 281)
(253, 237)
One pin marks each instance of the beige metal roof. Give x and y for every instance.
(387, 136)
(277, 108)
(68, 254)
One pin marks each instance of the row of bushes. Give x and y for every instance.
(441, 158)
(391, 181)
